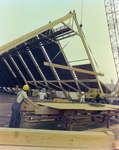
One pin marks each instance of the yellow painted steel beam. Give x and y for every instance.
(34, 33)
(72, 68)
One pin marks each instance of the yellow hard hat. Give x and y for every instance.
(26, 87)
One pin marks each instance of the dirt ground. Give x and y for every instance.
(6, 101)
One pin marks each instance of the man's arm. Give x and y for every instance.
(30, 101)
(26, 101)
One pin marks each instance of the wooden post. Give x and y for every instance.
(70, 124)
(65, 123)
(108, 120)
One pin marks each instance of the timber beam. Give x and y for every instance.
(56, 139)
(72, 68)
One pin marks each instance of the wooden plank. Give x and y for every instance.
(72, 68)
(43, 110)
(57, 100)
(3, 147)
(73, 95)
(52, 138)
(40, 121)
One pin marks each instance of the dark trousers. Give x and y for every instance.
(15, 119)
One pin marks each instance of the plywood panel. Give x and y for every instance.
(77, 106)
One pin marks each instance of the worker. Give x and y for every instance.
(82, 99)
(42, 94)
(20, 98)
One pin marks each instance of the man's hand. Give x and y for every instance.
(28, 103)
(37, 106)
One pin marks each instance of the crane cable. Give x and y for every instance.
(91, 51)
(84, 35)
(81, 13)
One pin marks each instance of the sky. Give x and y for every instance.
(19, 17)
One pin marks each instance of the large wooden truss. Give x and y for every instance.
(38, 40)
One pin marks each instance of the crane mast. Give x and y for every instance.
(112, 14)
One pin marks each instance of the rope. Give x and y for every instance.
(91, 53)
(81, 12)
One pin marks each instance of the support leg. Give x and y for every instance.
(70, 125)
(108, 120)
(65, 123)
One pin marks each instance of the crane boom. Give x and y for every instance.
(112, 14)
